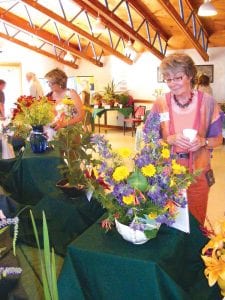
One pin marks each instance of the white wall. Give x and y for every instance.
(141, 77)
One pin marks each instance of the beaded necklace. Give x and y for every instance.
(185, 104)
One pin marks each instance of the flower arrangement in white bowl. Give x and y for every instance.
(140, 190)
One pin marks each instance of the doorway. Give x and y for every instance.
(11, 73)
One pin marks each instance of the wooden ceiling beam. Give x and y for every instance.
(143, 11)
(120, 24)
(35, 49)
(43, 34)
(169, 8)
(95, 13)
(197, 18)
(78, 30)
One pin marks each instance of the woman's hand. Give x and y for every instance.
(197, 143)
(179, 140)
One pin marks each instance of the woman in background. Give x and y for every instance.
(57, 81)
(203, 84)
(184, 107)
(35, 88)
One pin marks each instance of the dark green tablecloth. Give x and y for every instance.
(67, 218)
(31, 181)
(31, 176)
(105, 267)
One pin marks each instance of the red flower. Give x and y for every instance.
(106, 224)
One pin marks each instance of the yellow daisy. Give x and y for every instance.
(165, 153)
(177, 168)
(149, 170)
(124, 152)
(120, 173)
(129, 199)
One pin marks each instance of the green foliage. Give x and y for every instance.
(138, 181)
(47, 261)
(151, 233)
(76, 151)
(123, 99)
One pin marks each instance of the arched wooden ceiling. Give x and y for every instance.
(52, 28)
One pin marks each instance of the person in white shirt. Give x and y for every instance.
(35, 88)
(2, 99)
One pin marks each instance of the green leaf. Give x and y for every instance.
(55, 295)
(138, 181)
(43, 273)
(47, 257)
(3, 229)
(150, 234)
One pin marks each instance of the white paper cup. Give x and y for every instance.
(190, 133)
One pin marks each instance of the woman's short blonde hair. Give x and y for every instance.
(57, 76)
(179, 62)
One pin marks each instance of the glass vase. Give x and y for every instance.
(38, 140)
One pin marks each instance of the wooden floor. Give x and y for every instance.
(216, 204)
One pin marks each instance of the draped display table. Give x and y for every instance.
(31, 181)
(30, 176)
(103, 266)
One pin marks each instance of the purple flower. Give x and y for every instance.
(142, 160)
(5, 271)
(165, 219)
(121, 190)
(130, 212)
(154, 192)
(152, 128)
(5, 222)
(102, 144)
(137, 226)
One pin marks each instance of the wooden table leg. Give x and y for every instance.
(105, 120)
(98, 124)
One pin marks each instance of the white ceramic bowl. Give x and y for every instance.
(136, 237)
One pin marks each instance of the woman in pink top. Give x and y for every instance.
(182, 108)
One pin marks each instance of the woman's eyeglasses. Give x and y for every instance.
(174, 79)
(51, 83)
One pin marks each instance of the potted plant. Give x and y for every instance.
(76, 151)
(97, 99)
(125, 100)
(110, 95)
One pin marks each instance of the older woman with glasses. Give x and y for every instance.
(57, 81)
(185, 108)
